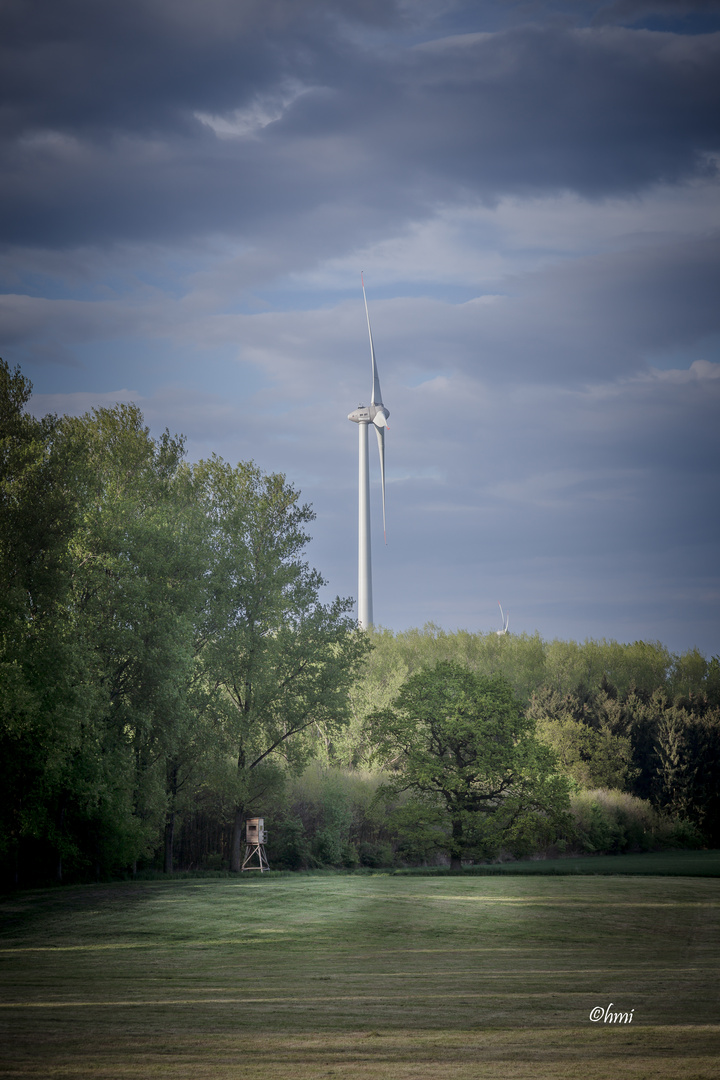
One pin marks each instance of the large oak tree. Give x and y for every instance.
(462, 745)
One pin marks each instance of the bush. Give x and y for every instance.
(337, 810)
(289, 848)
(611, 822)
(375, 855)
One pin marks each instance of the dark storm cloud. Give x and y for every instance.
(104, 141)
(598, 112)
(688, 15)
(145, 65)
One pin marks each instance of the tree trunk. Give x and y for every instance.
(456, 844)
(172, 783)
(237, 840)
(58, 866)
(236, 846)
(169, 842)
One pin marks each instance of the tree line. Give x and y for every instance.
(161, 638)
(604, 747)
(167, 667)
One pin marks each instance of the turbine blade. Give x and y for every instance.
(376, 396)
(502, 615)
(380, 432)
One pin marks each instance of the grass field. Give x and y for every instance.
(671, 863)
(372, 976)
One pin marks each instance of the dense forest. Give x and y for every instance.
(167, 667)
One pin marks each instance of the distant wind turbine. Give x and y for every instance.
(505, 621)
(377, 415)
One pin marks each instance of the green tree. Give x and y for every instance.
(688, 767)
(280, 662)
(39, 494)
(689, 676)
(584, 736)
(518, 657)
(382, 674)
(461, 743)
(162, 641)
(136, 587)
(590, 664)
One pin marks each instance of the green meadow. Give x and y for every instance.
(363, 976)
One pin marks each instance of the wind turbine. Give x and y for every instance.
(505, 621)
(376, 414)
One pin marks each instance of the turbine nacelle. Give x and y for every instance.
(375, 414)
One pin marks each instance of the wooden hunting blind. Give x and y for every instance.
(255, 839)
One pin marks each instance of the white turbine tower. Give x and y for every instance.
(505, 622)
(377, 415)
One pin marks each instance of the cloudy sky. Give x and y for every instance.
(189, 192)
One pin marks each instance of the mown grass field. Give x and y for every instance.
(294, 977)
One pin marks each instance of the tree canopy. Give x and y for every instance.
(462, 744)
(160, 636)
(280, 661)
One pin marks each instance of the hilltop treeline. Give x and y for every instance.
(167, 667)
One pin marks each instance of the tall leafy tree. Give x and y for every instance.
(40, 467)
(137, 563)
(461, 743)
(279, 660)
